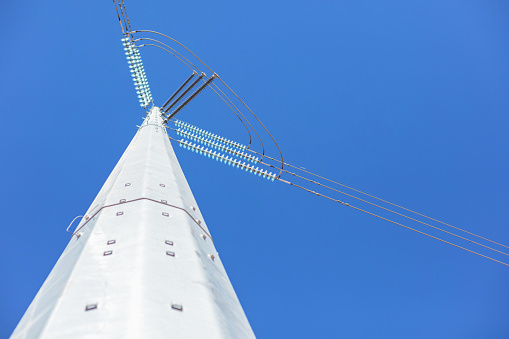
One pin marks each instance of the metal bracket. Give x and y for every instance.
(67, 230)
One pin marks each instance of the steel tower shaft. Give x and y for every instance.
(141, 263)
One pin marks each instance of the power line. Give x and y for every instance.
(119, 20)
(391, 221)
(380, 199)
(389, 210)
(282, 170)
(355, 197)
(140, 39)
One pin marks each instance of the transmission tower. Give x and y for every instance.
(142, 263)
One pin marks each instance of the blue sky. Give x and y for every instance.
(406, 100)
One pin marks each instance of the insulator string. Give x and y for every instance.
(138, 72)
(216, 145)
(225, 159)
(178, 90)
(188, 126)
(184, 93)
(190, 98)
(184, 127)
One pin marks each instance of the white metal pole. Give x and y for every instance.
(141, 263)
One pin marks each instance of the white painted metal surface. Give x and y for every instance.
(142, 263)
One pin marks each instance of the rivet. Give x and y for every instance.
(193, 208)
(110, 242)
(164, 201)
(90, 307)
(78, 235)
(162, 185)
(120, 213)
(204, 236)
(128, 184)
(212, 257)
(169, 242)
(198, 221)
(122, 200)
(177, 307)
(166, 214)
(170, 253)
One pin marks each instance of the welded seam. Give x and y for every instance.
(138, 199)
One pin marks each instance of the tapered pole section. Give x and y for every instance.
(142, 262)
